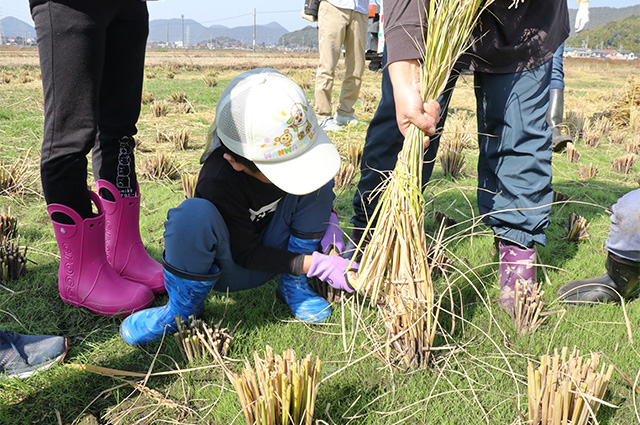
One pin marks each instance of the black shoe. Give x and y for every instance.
(620, 281)
(23, 355)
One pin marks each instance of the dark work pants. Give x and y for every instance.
(92, 64)
(514, 166)
(382, 144)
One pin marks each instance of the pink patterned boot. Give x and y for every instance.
(85, 278)
(124, 248)
(515, 264)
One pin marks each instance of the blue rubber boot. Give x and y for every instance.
(187, 293)
(306, 304)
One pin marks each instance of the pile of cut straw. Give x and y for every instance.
(394, 270)
(527, 307)
(199, 340)
(566, 391)
(281, 391)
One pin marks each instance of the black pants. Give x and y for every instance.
(92, 65)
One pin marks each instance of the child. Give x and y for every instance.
(261, 208)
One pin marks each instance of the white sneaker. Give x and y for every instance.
(329, 124)
(345, 120)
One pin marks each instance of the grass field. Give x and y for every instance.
(480, 368)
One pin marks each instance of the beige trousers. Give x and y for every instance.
(335, 28)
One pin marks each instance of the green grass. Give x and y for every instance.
(479, 374)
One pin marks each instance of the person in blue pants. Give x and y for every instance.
(512, 74)
(262, 208)
(555, 113)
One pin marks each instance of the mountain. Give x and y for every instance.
(617, 35)
(194, 32)
(12, 27)
(307, 37)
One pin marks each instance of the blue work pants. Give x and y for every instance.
(197, 238)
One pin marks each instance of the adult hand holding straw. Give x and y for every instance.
(410, 109)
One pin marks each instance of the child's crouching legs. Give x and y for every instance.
(192, 233)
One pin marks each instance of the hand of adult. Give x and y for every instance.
(582, 17)
(332, 269)
(405, 79)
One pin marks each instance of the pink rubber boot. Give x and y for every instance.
(515, 264)
(124, 248)
(85, 278)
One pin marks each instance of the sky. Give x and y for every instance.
(233, 13)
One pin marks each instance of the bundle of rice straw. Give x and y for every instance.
(527, 307)
(566, 391)
(281, 391)
(394, 264)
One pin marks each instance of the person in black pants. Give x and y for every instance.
(92, 64)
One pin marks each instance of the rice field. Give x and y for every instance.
(480, 363)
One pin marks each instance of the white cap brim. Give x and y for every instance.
(307, 172)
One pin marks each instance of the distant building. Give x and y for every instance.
(610, 54)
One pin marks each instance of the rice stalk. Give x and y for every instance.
(527, 307)
(370, 99)
(443, 218)
(13, 262)
(8, 226)
(459, 132)
(16, 177)
(210, 79)
(162, 137)
(197, 340)
(178, 97)
(633, 145)
(184, 108)
(354, 155)
(189, 184)
(281, 391)
(160, 166)
(346, 175)
(181, 138)
(572, 153)
(586, 172)
(147, 98)
(617, 136)
(560, 197)
(394, 270)
(592, 132)
(452, 161)
(624, 110)
(159, 108)
(566, 390)
(634, 118)
(302, 78)
(575, 123)
(577, 228)
(624, 163)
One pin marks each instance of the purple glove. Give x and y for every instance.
(333, 236)
(331, 269)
